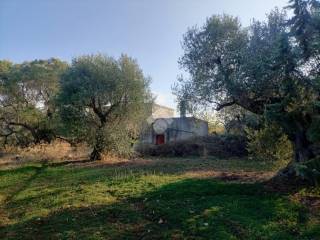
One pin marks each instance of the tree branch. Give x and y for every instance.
(26, 126)
(97, 111)
(223, 105)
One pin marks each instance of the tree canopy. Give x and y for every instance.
(105, 101)
(97, 99)
(27, 99)
(270, 68)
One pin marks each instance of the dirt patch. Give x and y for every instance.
(311, 202)
(187, 167)
(56, 152)
(285, 181)
(232, 176)
(109, 162)
(230, 170)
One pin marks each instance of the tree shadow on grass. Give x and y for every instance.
(188, 209)
(90, 172)
(25, 184)
(69, 162)
(25, 169)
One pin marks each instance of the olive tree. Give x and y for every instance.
(104, 101)
(261, 68)
(27, 100)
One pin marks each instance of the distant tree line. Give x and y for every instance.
(96, 99)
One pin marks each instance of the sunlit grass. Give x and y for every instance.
(158, 200)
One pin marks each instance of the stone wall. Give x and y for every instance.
(178, 129)
(186, 127)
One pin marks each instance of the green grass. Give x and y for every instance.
(157, 200)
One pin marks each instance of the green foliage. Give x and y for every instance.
(116, 139)
(104, 101)
(305, 25)
(216, 145)
(230, 65)
(232, 120)
(309, 171)
(260, 68)
(269, 144)
(97, 99)
(236, 119)
(28, 91)
(215, 124)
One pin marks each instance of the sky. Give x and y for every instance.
(150, 31)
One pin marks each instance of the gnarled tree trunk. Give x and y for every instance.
(99, 145)
(96, 154)
(302, 147)
(287, 177)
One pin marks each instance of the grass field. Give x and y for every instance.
(152, 199)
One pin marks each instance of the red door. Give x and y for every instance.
(159, 139)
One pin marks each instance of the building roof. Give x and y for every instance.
(159, 111)
(161, 106)
(187, 118)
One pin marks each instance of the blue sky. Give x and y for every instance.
(147, 30)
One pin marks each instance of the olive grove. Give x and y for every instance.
(96, 99)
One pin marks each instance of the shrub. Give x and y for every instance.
(309, 170)
(214, 145)
(269, 144)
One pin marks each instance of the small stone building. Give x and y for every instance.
(163, 127)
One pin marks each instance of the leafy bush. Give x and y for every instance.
(226, 145)
(215, 145)
(118, 140)
(309, 171)
(269, 144)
